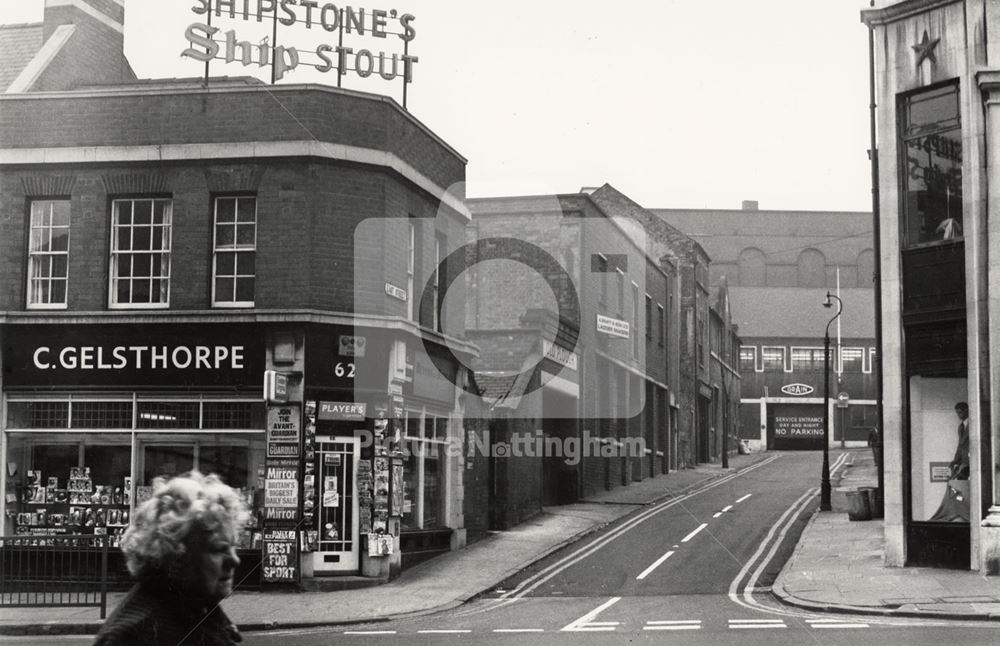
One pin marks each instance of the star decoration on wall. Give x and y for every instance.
(925, 49)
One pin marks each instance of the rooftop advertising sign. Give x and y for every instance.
(380, 25)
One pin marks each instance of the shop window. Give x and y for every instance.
(939, 449)
(424, 469)
(83, 483)
(48, 254)
(140, 252)
(931, 166)
(235, 251)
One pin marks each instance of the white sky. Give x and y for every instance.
(677, 103)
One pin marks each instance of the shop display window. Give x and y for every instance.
(69, 462)
(424, 467)
(67, 484)
(939, 450)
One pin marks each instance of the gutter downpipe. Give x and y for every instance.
(877, 277)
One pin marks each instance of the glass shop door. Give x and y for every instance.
(337, 505)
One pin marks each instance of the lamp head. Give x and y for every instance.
(828, 302)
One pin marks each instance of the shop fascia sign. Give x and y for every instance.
(314, 14)
(797, 389)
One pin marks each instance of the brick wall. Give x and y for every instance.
(241, 113)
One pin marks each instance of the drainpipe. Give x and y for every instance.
(877, 277)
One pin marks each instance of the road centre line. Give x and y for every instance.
(655, 565)
(544, 575)
(694, 533)
(519, 630)
(443, 632)
(744, 497)
(369, 632)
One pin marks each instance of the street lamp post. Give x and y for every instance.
(824, 496)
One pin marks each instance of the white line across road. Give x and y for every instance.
(694, 533)
(655, 565)
(586, 623)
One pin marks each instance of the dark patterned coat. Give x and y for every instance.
(152, 614)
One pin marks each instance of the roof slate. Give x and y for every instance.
(18, 45)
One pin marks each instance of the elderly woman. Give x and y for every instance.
(180, 549)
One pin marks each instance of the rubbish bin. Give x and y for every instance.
(857, 505)
(871, 493)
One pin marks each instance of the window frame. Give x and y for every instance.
(752, 351)
(906, 132)
(784, 357)
(235, 248)
(49, 254)
(115, 254)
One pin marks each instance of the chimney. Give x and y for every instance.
(750, 205)
(92, 44)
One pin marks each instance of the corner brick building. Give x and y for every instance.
(166, 246)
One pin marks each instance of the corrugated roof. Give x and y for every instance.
(18, 45)
(799, 312)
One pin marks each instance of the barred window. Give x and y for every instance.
(159, 414)
(102, 414)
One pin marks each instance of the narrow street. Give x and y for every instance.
(693, 570)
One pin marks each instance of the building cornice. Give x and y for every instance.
(901, 10)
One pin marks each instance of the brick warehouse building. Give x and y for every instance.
(166, 245)
(776, 262)
(631, 376)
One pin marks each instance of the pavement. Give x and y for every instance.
(837, 566)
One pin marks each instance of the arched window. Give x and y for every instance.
(811, 268)
(751, 268)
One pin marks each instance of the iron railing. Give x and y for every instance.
(54, 571)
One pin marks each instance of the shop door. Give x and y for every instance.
(337, 473)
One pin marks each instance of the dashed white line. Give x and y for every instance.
(756, 623)
(673, 625)
(519, 630)
(655, 565)
(443, 632)
(726, 508)
(369, 632)
(744, 497)
(694, 533)
(834, 623)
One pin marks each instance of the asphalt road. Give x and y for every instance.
(693, 570)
